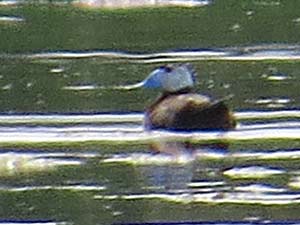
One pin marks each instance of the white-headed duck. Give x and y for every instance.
(179, 108)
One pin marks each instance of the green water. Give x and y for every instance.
(221, 24)
(43, 91)
(48, 28)
(74, 183)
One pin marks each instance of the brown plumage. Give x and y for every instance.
(188, 111)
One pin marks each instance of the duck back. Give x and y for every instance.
(188, 111)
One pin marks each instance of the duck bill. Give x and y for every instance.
(130, 86)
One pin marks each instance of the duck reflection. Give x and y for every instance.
(171, 178)
(174, 170)
(174, 167)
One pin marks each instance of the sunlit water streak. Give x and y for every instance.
(127, 128)
(140, 3)
(48, 119)
(202, 154)
(253, 53)
(115, 4)
(9, 2)
(69, 135)
(255, 172)
(14, 162)
(11, 19)
(237, 197)
(53, 187)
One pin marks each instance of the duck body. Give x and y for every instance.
(179, 107)
(188, 111)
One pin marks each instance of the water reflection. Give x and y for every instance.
(270, 102)
(177, 172)
(245, 53)
(15, 163)
(17, 130)
(167, 178)
(8, 3)
(182, 183)
(10, 19)
(139, 3)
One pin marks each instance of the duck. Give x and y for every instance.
(179, 107)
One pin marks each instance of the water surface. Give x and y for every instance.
(73, 147)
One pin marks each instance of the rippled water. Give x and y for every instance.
(72, 145)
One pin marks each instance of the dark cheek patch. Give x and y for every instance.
(168, 69)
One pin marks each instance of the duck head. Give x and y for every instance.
(170, 79)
